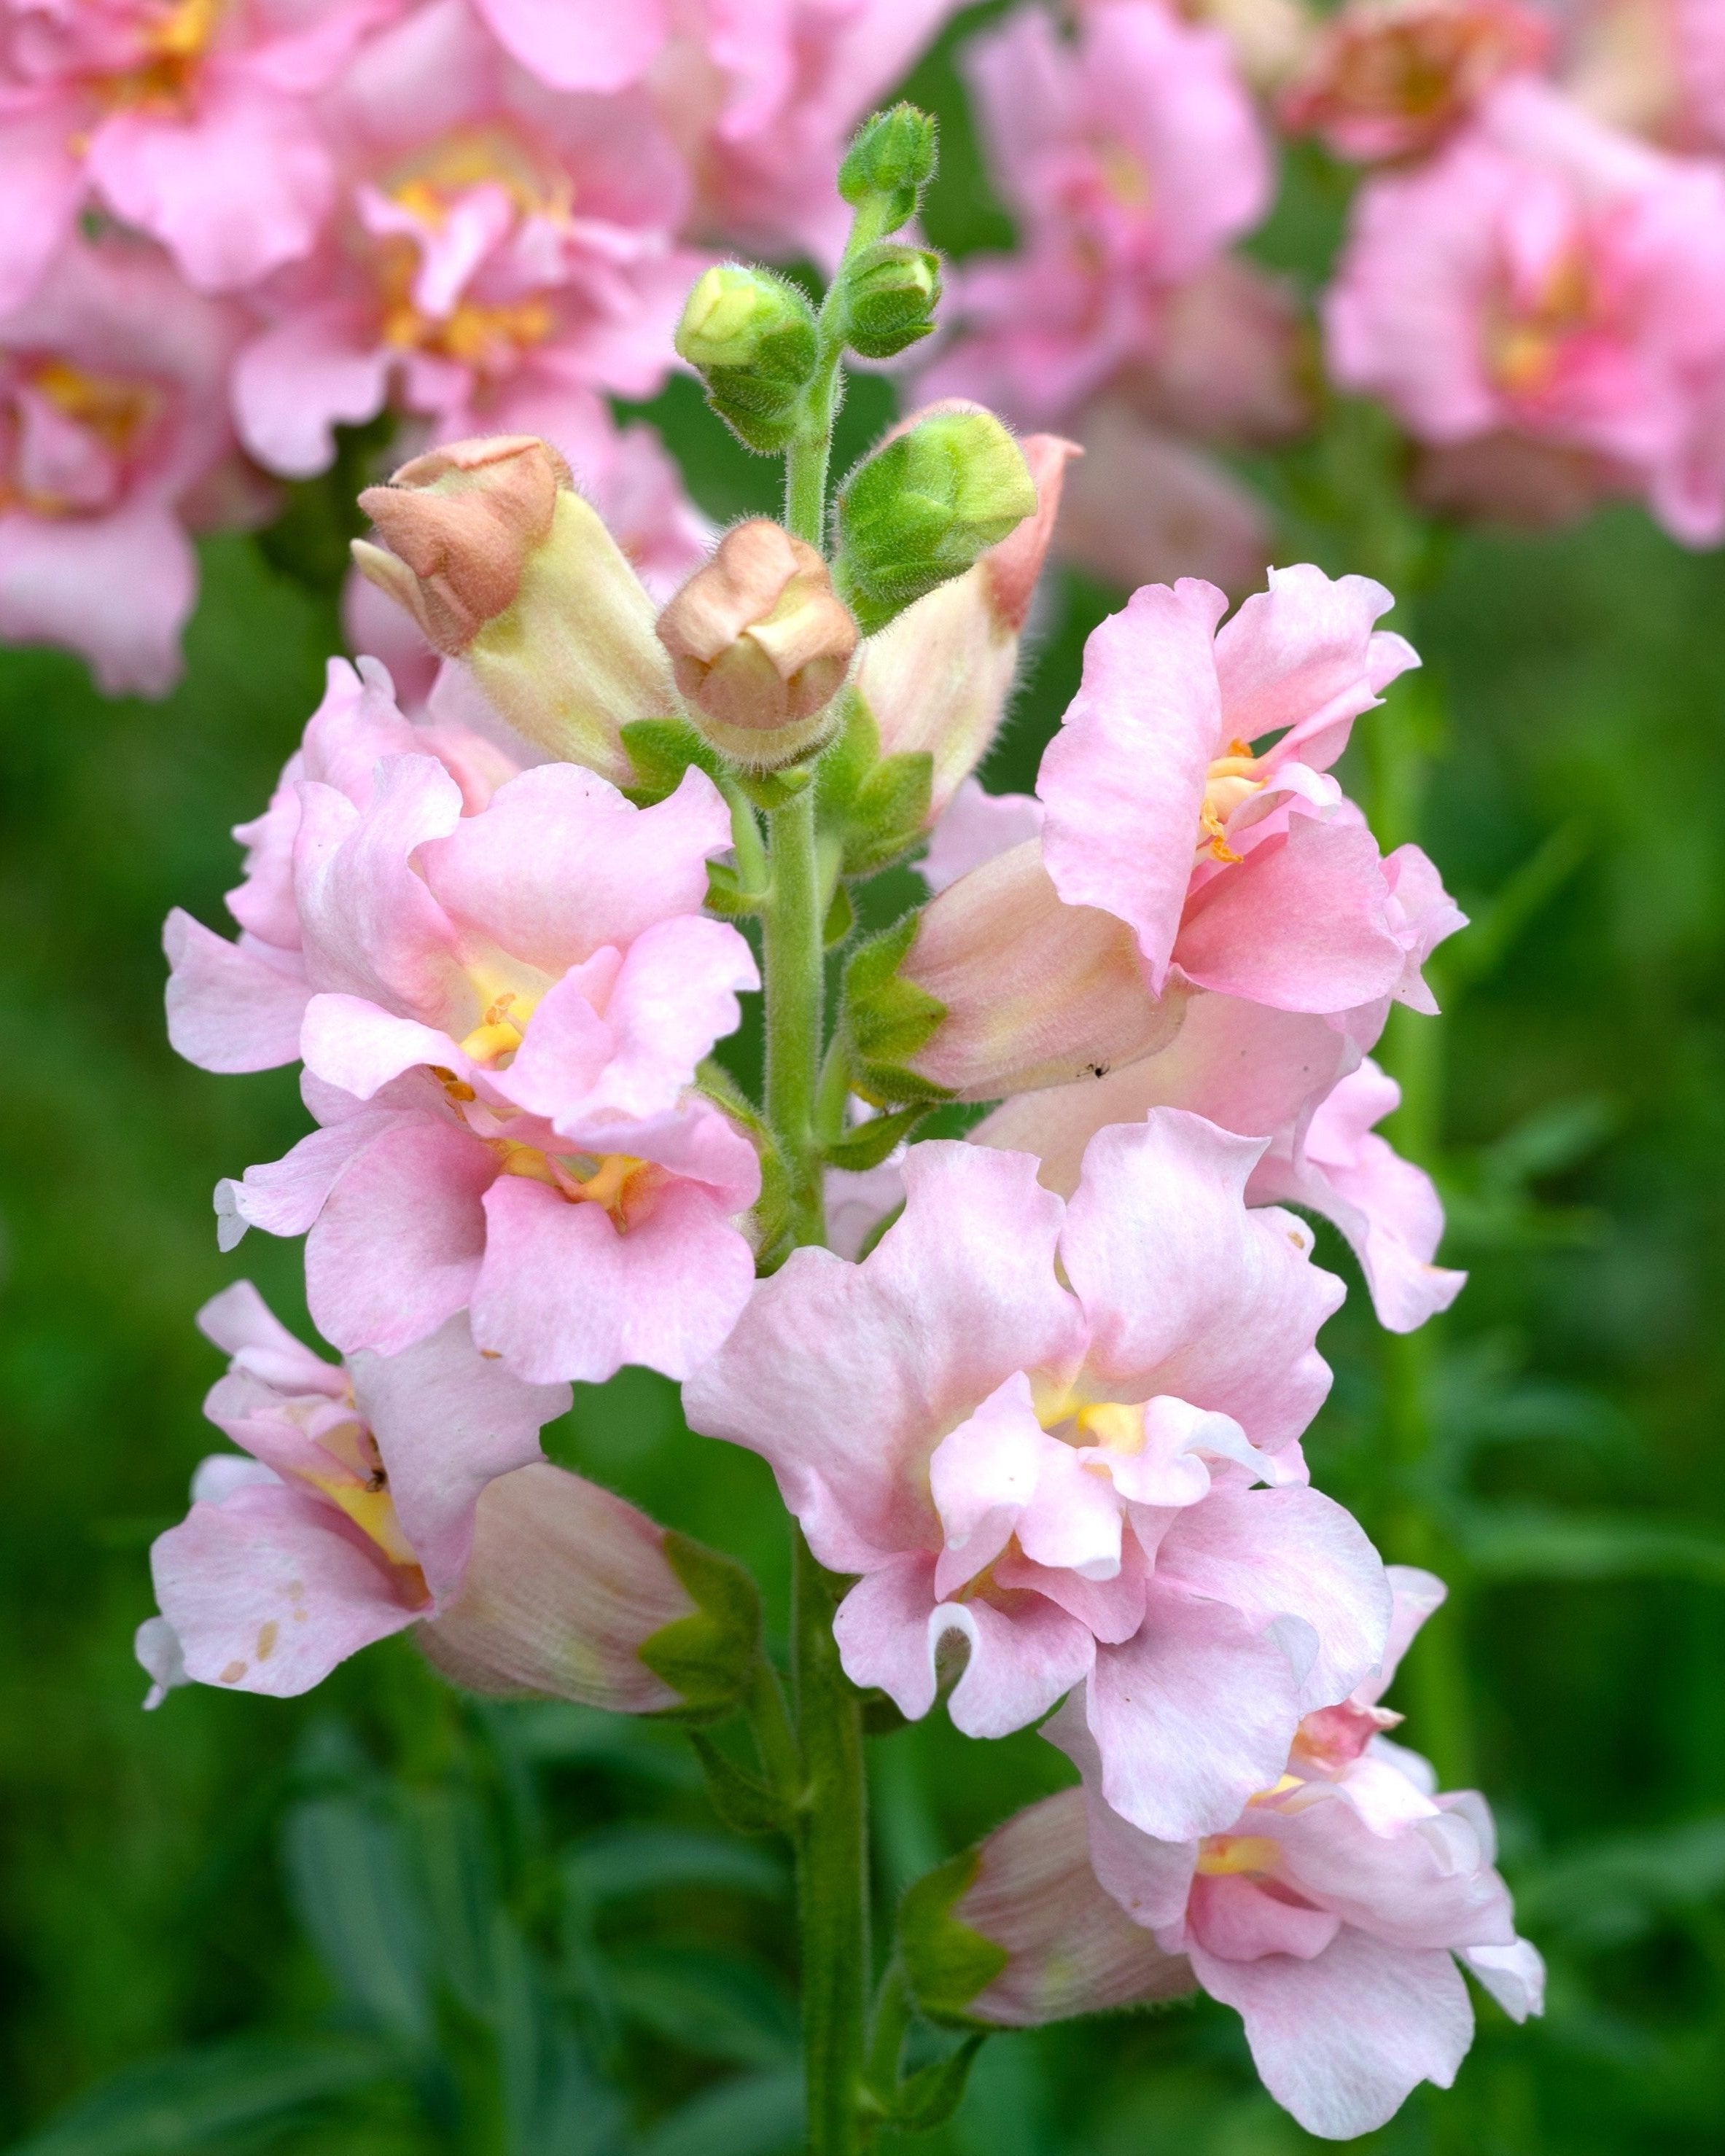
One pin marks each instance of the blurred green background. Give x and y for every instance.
(383, 1919)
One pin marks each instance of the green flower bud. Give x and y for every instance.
(923, 507)
(890, 294)
(893, 156)
(751, 337)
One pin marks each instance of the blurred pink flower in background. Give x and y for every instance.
(114, 433)
(1546, 276)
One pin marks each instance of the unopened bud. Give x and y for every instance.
(571, 1593)
(751, 337)
(997, 987)
(920, 510)
(891, 292)
(1020, 1931)
(892, 159)
(759, 645)
(506, 567)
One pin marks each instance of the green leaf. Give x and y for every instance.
(719, 2005)
(947, 1962)
(709, 1656)
(841, 918)
(350, 1885)
(1529, 1541)
(928, 2098)
(187, 2099)
(867, 1145)
(725, 894)
(661, 750)
(754, 2115)
(887, 1019)
(744, 1803)
(615, 1861)
(457, 1874)
(1497, 926)
(1616, 1890)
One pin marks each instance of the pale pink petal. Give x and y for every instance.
(242, 1324)
(1429, 1885)
(1187, 1292)
(1123, 780)
(1422, 914)
(1302, 656)
(284, 1196)
(269, 1591)
(300, 380)
(447, 1421)
(1514, 1975)
(158, 1647)
(563, 1294)
(231, 1006)
(1191, 1716)
(1026, 1653)
(845, 1376)
(1293, 1561)
(42, 184)
(142, 563)
(396, 1248)
(885, 1635)
(1232, 1916)
(1340, 2041)
(975, 828)
(579, 44)
(1150, 1879)
(1415, 1596)
(982, 1478)
(350, 1042)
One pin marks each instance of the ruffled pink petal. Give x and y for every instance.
(232, 193)
(1340, 2040)
(42, 184)
(975, 828)
(1190, 1717)
(1232, 1916)
(299, 381)
(268, 1591)
(981, 1476)
(1186, 1292)
(1514, 1975)
(447, 1421)
(1123, 780)
(231, 1006)
(1302, 923)
(844, 1376)
(1303, 656)
(396, 1249)
(561, 864)
(1026, 1653)
(582, 44)
(1430, 1884)
(1293, 1562)
(885, 1633)
(350, 1042)
(284, 1196)
(141, 561)
(1151, 1879)
(563, 1294)
(242, 1324)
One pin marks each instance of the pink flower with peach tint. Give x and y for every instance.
(501, 1015)
(1131, 157)
(1059, 1466)
(349, 1513)
(1392, 78)
(500, 252)
(1332, 1911)
(189, 119)
(1188, 793)
(111, 418)
(1547, 276)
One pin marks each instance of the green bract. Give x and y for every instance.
(890, 294)
(751, 337)
(919, 511)
(892, 158)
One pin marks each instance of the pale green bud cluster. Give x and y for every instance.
(923, 507)
(891, 161)
(751, 337)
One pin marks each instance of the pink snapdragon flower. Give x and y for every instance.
(349, 1512)
(501, 1014)
(189, 119)
(1189, 793)
(500, 252)
(111, 418)
(1058, 1465)
(1547, 277)
(1131, 157)
(1331, 1913)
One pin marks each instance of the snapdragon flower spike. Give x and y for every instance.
(501, 1018)
(1188, 793)
(348, 1515)
(1057, 1465)
(1332, 1912)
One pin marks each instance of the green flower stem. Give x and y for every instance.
(810, 456)
(775, 1733)
(795, 981)
(832, 1870)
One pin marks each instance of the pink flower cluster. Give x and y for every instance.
(232, 225)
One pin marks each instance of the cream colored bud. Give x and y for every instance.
(1036, 992)
(759, 645)
(505, 566)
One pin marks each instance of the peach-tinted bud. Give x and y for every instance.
(565, 1585)
(759, 643)
(1036, 992)
(503, 565)
(1062, 1945)
(938, 677)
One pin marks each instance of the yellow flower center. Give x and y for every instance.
(113, 409)
(1225, 1855)
(173, 43)
(1524, 345)
(1232, 779)
(356, 1482)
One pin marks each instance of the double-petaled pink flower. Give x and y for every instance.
(1036, 1425)
(501, 1015)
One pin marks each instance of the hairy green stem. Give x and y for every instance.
(832, 1870)
(795, 980)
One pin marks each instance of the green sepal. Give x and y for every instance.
(886, 1019)
(726, 895)
(771, 789)
(928, 2098)
(744, 1803)
(709, 1655)
(889, 294)
(891, 812)
(947, 1964)
(867, 1145)
(841, 918)
(661, 750)
(752, 337)
(771, 1212)
(891, 160)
